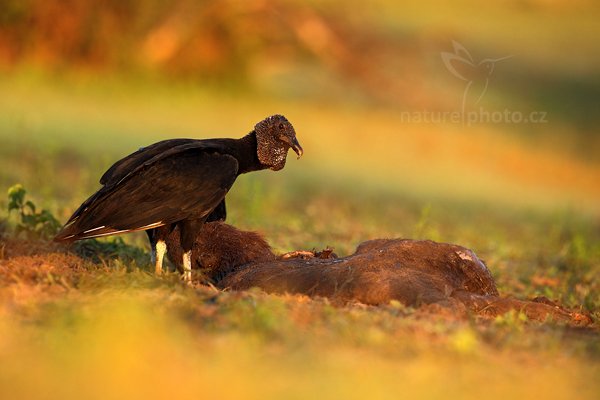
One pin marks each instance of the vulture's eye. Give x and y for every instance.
(281, 127)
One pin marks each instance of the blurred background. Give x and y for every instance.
(364, 84)
(468, 122)
(381, 95)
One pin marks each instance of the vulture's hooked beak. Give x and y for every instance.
(296, 147)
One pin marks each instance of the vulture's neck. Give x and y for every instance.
(244, 150)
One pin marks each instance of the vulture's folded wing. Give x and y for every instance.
(187, 184)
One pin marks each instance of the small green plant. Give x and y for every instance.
(34, 224)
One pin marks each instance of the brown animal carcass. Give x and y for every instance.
(413, 272)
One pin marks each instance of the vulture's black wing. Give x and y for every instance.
(187, 184)
(150, 154)
(145, 157)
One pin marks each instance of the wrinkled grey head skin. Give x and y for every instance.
(275, 136)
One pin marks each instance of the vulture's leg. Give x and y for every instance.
(187, 266)
(189, 232)
(159, 247)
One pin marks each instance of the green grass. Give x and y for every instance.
(112, 330)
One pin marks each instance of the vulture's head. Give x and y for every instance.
(274, 137)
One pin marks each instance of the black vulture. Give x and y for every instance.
(178, 183)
